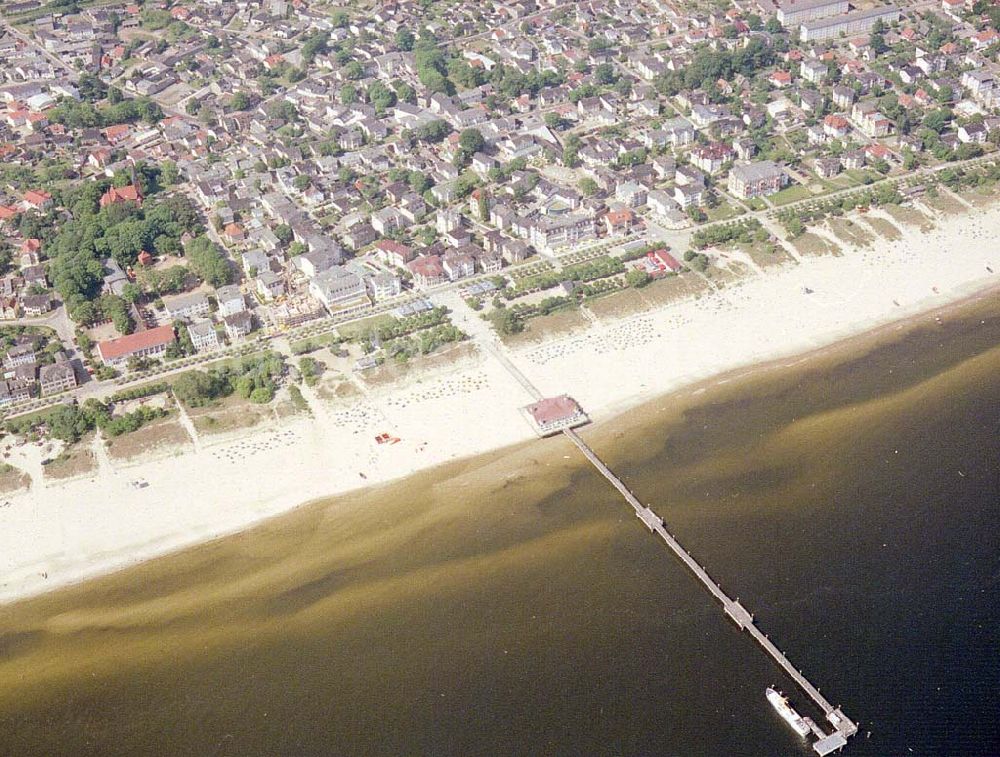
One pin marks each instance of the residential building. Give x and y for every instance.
(13, 390)
(186, 306)
(711, 157)
(337, 287)
(114, 195)
(382, 286)
(230, 300)
(458, 265)
(814, 71)
(550, 232)
(203, 335)
(427, 271)
(748, 180)
(631, 193)
(238, 325)
(57, 377)
(35, 305)
(269, 285)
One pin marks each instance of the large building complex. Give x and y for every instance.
(792, 12)
(848, 25)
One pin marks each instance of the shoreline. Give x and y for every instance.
(59, 534)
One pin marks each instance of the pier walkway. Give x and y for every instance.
(843, 727)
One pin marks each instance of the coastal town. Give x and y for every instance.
(197, 197)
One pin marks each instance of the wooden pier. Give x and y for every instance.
(842, 725)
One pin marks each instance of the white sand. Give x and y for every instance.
(58, 533)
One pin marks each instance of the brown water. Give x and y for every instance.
(511, 604)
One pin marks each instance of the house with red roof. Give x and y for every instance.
(664, 260)
(427, 271)
(619, 221)
(233, 232)
(38, 199)
(151, 343)
(391, 252)
(779, 79)
(114, 195)
(117, 133)
(985, 38)
(836, 126)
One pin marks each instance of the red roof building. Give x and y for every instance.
(619, 221)
(38, 199)
(427, 271)
(780, 79)
(394, 253)
(149, 343)
(553, 414)
(114, 195)
(664, 260)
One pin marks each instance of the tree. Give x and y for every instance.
(131, 293)
(196, 388)
(471, 141)
(605, 74)
(505, 321)
(348, 94)
(405, 39)
(354, 70)
(571, 148)
(555, 121)
(405, 92)
(968, 150)
(878, 43)
(433, 131)
(773, 26)
(169, 173)
(117, 310)
(937, 120)
(208, 261)
(282, 110)
(315, 45)
(242, 100)
(381, 97)
(637, 278)
(283, 232)
(588, 186)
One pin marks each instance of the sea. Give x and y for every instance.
(511, 603)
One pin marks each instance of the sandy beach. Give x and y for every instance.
(58, 533)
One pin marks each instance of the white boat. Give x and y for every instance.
(780, 703)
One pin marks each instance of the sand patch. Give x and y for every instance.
(810, 243)
(154, 437)
(850, 232)
(13, 479)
